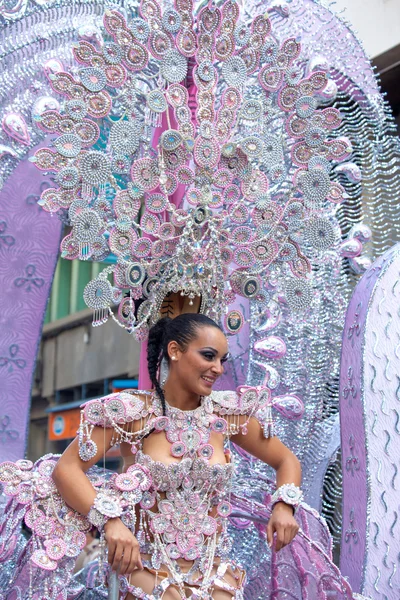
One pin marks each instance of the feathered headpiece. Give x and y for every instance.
(198, 151)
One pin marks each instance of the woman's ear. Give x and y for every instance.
(174, 351)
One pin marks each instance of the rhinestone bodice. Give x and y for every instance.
(187, 505)
(182, 506)
(188, 474)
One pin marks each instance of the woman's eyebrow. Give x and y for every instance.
(210, 349)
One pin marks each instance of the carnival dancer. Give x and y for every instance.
(163, 520)
(181, 523)
(195, 146)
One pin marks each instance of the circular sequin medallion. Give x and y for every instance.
(185, 175)
(120, 164)
(142, 247)
(68, 145)
(161, 423)
(93, 79)
(149, 223)
(24, 464)
(140, 29)
(112, 53)
(177, 95)
(178, 449)
(166, 231)
(320, 233)
(87, 226)
(219, 425)
(170, 139)
(87, 450)
(243, 257)
(156, 203)
(55, 548)
(171, 184)
(8, 472)
(209, 526)
(95, 168)
(148, 500)
(40, 559)
(156, 101)
(135, 274)
(46, 467)
(298, 295)
(144, 173)
(124, 137)
(206, 451)
(242, 34)
(157, 249)
(171, 21)
(194, 196)
(231, 194)
(126, 482)
(224, 509)
(234, 71)
(76, 109)
(305, 107)
(206, 152)
(239, 214)
(250, 287)
(68, 178)
(241, 235)
(97, 294)
(173, 66)
(88, 132)
(108, 506)
(175, 158)
(136, 57)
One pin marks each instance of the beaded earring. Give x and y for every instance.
(164, 372)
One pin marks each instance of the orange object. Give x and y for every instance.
(63, 425)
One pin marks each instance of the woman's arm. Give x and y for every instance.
(77, 491)
(288, 470)
(69, 473)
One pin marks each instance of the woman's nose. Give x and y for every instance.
(218, 368)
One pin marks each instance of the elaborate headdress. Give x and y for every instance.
(208, 175)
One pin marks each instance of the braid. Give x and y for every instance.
(181, 329)
(155, 351)
(160, 393)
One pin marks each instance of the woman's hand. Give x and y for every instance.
(283, 523)
(123, 547)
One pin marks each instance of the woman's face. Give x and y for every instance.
(200, 365)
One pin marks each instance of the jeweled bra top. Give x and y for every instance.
(188, 501)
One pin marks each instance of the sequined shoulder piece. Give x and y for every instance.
(119, 408)
(256, 402)
(230, 402)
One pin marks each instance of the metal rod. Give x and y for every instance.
(113, 586)
(249, 517)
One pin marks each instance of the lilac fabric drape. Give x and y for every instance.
(29, 240)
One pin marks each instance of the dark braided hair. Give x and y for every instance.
(182, 330)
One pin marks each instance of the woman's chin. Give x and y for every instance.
(202, 389)
(206, 390)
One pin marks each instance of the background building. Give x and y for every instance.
(76, 361)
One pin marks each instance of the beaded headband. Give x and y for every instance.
(197, 149)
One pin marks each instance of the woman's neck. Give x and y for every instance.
(180, 398)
